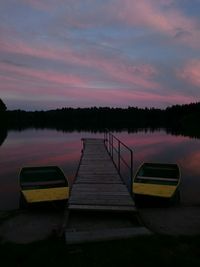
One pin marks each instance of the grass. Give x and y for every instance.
(139, 251)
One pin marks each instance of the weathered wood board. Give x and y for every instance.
(98, 183)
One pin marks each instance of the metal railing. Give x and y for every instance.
(114, 147)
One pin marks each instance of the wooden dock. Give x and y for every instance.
(98, 185)
(100, 207)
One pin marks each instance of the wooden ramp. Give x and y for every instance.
(98, 185)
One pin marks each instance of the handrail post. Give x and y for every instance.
(119, 155)
(106, 138)
(109, 144)
(112, 146)
(131, 170)
(110, 140)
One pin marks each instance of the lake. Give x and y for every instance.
(51, 147)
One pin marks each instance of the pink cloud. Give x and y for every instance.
(140, 75)
(190, 72)
(118, 80)
(150, 14)
(37, 50)
(113, 68)
(25, 81)
(155, 98)
(23, 73)
(44, 5)
(139, 78)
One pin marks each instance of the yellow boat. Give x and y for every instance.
(41, 184)
(156, 180)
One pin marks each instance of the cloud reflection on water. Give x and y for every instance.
(49, 147)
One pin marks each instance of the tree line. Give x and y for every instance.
(180, 119)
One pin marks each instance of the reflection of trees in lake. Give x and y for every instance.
(179, 119)
(3, 135)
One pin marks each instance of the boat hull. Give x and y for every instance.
(44, 195)
(43, 184)
(164, 191)
(156, 180)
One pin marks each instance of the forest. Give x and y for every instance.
(177, 119)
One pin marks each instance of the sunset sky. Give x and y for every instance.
(118, 53)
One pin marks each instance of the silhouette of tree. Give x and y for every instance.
(2, 106)
(179, 119)
(3, 135)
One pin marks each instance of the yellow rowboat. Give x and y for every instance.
(41, 184)
(156, 180)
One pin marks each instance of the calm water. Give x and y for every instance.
(50, 147)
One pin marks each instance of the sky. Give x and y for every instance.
(85, 53)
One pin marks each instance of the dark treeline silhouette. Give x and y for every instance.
(86, 117)
(2, 106)
(3, 135)
(3, 115)
(178, 119)
(3, 122)
(184, 119)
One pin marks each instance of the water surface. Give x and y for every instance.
(50, 147)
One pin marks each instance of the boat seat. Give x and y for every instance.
(57, 182)
(157, 178)
(159, 168)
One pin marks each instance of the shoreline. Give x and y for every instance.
(27, 226)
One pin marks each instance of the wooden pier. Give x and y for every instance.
(100, 206)
(98, 185)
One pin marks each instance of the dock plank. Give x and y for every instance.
(105, 234)
(100, 206)
(98, 184)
